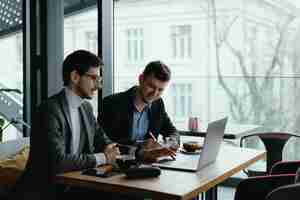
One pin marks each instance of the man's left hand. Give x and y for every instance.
(111, 152)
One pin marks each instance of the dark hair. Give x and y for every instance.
(158, 69)
(81, 61)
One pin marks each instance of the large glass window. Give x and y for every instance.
(235, 58)
(80, 32)
(11, 70)
(11, 73)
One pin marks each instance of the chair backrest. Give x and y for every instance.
(290, 192)
(261, 186)
(274, 143)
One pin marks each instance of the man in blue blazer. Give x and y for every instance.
(138, 113)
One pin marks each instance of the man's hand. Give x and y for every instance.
(152, 150)
(111, 151)
(151, 144)
(151, 155)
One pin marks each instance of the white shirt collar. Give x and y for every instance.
(73, 99)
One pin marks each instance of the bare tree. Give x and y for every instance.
(255, 105)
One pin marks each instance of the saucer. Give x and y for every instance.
(190, 152)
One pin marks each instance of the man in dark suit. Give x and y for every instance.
(65, 135)
(139, 112)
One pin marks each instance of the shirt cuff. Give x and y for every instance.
(100, 158)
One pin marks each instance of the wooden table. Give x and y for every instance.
(172, 184)
(232, 131)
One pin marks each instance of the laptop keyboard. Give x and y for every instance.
(180, 159)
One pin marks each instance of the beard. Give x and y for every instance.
(87, 97)
(83, 93)
(145, 100)
(142, 96)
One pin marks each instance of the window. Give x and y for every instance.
(127, 85)
(92, 41)
(182, 100)
(80, 33)
(243, 59)
(135, 44)
(11, 70)
(11, 76)
(181, 41)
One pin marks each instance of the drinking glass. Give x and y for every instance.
(172, 142)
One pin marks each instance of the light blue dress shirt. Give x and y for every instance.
(140, 123)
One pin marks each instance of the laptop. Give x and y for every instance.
(208, 155)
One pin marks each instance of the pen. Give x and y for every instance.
(155, 140)
(152, 136)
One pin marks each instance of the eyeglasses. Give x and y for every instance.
(96, 78)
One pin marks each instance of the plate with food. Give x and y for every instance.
(191, 147)
(182, 150)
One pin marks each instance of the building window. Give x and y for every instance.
(181, 39)
(135, 44)
(182, 99)
(91, 41)
(127, 85)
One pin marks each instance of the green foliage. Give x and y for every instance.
(2, 122)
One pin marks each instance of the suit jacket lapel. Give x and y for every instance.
(130, 120)
(65, 108)
(154, 119)
(86, 125)
(66, 113)
(151, 120)
(83, 133)
(131, 96)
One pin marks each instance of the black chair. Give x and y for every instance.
(290, 192)
(285, 167)
(261, 186)
(274, 143)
